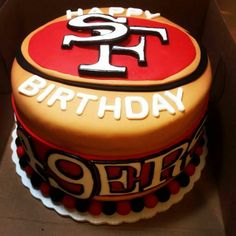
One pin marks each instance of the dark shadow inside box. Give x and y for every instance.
(219, 39)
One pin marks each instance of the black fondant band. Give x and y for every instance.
(129, 88)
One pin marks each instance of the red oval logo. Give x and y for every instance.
(145, 54)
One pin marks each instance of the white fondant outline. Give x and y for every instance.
(114, 219)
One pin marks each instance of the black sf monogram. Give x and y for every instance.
(107, 34)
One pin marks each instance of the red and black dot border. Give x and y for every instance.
(123, 208)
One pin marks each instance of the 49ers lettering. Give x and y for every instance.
(106, 35)
(88, 178)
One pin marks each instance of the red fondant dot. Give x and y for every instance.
(95, 208)
(69, 202)
(29, 171)
(123, 207)
(20, 151)
(190, 169)
(45, 189)
(173, 187)
(199, 151)
(150, 200)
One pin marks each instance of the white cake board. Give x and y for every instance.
(114, 219)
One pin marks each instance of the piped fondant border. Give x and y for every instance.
(128, 88)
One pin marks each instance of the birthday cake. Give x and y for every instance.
(110, 106)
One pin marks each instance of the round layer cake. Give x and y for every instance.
(110, 106)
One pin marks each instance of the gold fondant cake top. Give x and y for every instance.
(120, 82)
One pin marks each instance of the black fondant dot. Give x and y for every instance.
(18, 142)
(82, 205)
(36, 180)
(195, 159)
(109, 208)
(202, 142)
(163, 194)
(183, 179)
(137, 204)
(56, 195)
(23, 162)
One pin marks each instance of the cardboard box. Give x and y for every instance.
(210, 208)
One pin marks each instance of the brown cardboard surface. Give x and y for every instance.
(6, 120)
(219, 40)
(228, 9)
(21, 214)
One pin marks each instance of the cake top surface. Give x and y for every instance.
(118, 82)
